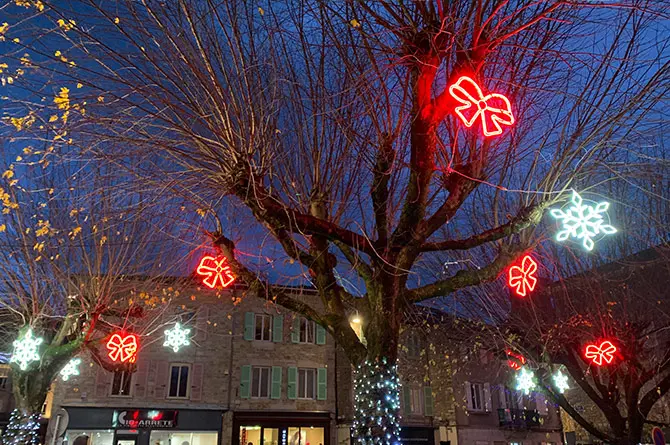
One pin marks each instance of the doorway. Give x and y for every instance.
(125, 440)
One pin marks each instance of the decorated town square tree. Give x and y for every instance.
(344, 144)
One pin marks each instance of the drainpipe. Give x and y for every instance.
(55, 431)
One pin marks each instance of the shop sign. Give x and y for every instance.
(143, 418)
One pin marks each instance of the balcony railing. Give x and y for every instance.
(518, 419)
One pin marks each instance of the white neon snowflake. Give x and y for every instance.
(561, 381)
(71, 369)
(583, 221)
(26, 350)
(525, 381)
(177, 337)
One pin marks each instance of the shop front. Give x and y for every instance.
(133, 426)
(413, 435)
(268, 428)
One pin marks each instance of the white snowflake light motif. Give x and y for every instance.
(560, 381)
(71, 369)
(26, 350)
(583, 221)
(176, 337)
(525, 381)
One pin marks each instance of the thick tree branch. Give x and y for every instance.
(654, 395)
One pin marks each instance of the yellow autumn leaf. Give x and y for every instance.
(116, 20)
(3, 66)
(261, 11)
(79, 85)
(39, 246)
(103, 240)
(53, 118)
(57, 53)
(76, 231)
(3, 227)
(355, 23)
(8, 174)
(62, 101)
(201, 212)
(101, 99)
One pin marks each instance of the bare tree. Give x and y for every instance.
(332, 124)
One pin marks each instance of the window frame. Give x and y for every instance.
(129, 381)
(263, 318)
(414, 345)
(309, 327)
(188, 379)
(416, 400)
(304, 387)
(479, 392)
(260, 369)
(3, 382)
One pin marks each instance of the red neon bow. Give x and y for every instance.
(522, 278)
(122, 348)
(597, 353)
(493, 109)
(215, 271)
(514, 360)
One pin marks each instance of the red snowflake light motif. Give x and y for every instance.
(599, 353)
(123, 347)
(214, 270)
(522, 278)
(493, 109)
(514, 360)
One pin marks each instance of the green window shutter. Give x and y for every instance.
(245, 382)
(275, 393)
(320, 335)
(321, 383)
(292, 388)
(277, 328)
(295, 333)
(428, 401)
(406, 400)
(249, 319)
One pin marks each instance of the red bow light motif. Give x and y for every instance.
(597, 353)
(522, 278)
(514, 360)
(123, 347)
(214, 270)
(493, 109)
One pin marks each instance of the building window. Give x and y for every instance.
(415, 400)
(121, 383)
(307, 331)
(476, 396)
(179, 381)
(306, 383)
(263, 327)
(414, 345)
(260, 382)
(3, 382)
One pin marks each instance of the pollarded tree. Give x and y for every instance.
(70, 250)
(359, 135)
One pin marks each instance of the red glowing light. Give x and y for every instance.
(123, 347)
(214, 270)
(597, 353)
(514, 360)
(494, 109)
(522, 278)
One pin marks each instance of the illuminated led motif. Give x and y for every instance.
(525, 381)
(599, 353)
(71, 369)
(214, 270)
(522, 278)
(560, 381)
(514, 360)
(583, 221)
(176, 337)
(26, 350)
(123, 347)
(493, 109)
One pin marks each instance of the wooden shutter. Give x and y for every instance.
(201, 322)
(541, 404)
(103, 380)
(427, 401)
(162, 377)
(407, 400)
(321, 383)
(277, 328)
(197, 371)
(502, 397)
(295, 333)
(487, 397)
(320, 335)
(245, 381)
(141, 378)
(275, 392)
(249, 319)
(292, 388)
(468, 395)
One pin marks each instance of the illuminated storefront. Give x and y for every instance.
(132, 426)
(263, 428)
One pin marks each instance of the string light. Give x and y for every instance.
(26, 350)
(560, 381)
(177, 337)
(583, 221)
(22, 429)
(71, 369)
(525, 381)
